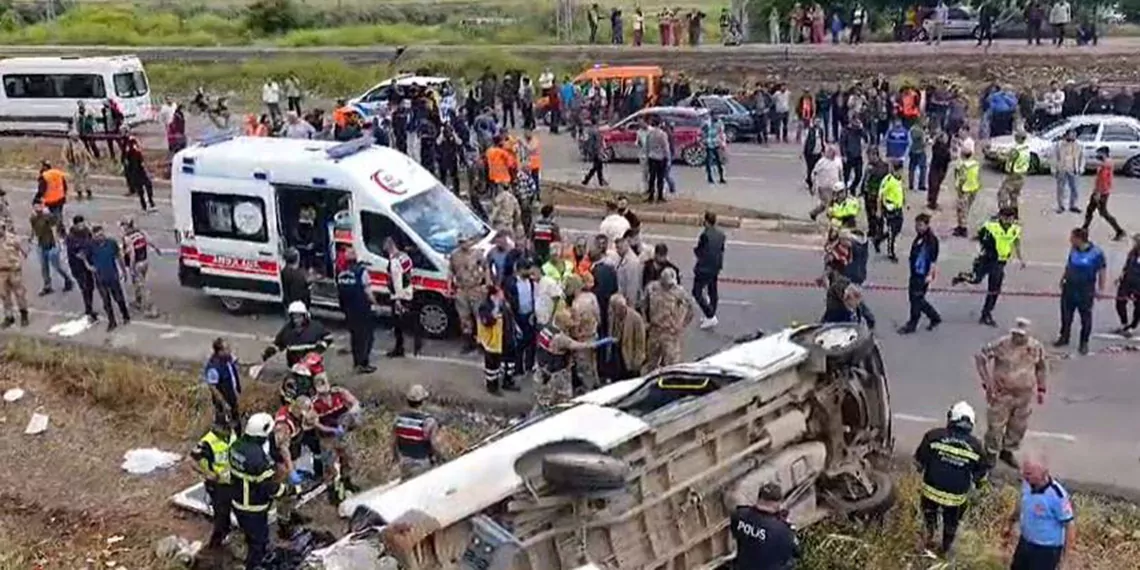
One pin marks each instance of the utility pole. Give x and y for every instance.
(564, 20)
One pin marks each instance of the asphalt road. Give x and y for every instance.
(1088, 423)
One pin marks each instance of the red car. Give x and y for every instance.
(619, 139)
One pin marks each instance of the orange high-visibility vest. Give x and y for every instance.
(534, 149)
(340, 116)
(499, 163)
(54, 182)
(909, 104)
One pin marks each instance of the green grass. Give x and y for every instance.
(384, 24)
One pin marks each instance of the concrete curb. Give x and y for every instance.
(764, 222)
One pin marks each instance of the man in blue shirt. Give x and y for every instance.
(519, 289)
(897, 142)
(105, 261)
(923, 271)
(1002, 106)
(222, 375)
(1043, 517)
(1084, 278)
(353, 286)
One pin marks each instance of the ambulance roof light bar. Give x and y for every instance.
(349, 148)
(217, 138)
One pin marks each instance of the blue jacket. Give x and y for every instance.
(898, 141)
(1002, 102)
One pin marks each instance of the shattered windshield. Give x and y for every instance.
(440, 219)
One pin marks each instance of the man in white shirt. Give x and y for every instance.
(295, 128)
(546, 81)
(1059, 17)
(614, 225)
(1054, 101)
(166, 113)
(937, 23)
(825, 177)
(271, 96)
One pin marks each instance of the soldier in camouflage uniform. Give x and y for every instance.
(467, 279)
(5, 211)
(668, 310)
(11, 276)
(1010, 368)
(554, 350)
(77, 160)
(506, 213)
(586, 314)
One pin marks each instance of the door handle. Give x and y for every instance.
(265, 253)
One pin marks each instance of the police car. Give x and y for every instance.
(238, 200)
(376, 98)
(648, 470)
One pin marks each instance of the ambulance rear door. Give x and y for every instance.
(236, 239)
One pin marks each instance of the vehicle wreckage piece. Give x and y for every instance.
(807, 408)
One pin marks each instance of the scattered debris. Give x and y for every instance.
(13, 395)
(37, 425)
(114, 539)
(71, 328)
(177, 549)
(143, 461)
(255, 370)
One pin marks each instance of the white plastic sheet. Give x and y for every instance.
(148, 460)
(13, 395)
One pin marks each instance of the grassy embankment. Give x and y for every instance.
(287, 23)
(62, 514)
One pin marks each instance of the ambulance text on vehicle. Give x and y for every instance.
(237, 200)
(41, 94)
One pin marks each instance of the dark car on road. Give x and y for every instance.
(737, 121)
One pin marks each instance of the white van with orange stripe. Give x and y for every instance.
(237, 199)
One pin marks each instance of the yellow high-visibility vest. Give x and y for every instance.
(220, 448)
(1004, 238)
(1018, 162)
(848, 208)
(969, 176)
(891, 193)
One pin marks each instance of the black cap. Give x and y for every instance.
(770, 493)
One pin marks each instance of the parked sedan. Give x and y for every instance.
(620, 138)
(1120, 134)
(738, 123)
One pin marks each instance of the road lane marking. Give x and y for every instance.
(735, 302)
(1031, 433)
(770, 245)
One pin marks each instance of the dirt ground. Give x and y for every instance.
(65, 502)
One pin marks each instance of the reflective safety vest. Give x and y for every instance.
(543, 231)
(1004, 239)
(558, 269)
(134, 246)
(406, 266)
(220, 449)
(252, 473)
(546, 358)
(412, 438)
(891, 193)
(848, 208)
(969, 176)
(330, 408)
(54, 186)
(910, 103)
(1018, 162)
(499, 165)
(534, 152)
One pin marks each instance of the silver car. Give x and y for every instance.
(1120, 134)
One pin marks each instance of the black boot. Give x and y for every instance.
(23, 317)
(987, 320)
(468, 345)
(509, 384)
(8, 321)
(1007, 457)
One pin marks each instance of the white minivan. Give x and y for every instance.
(237, 201)
(41, 94)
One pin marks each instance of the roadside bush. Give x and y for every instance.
(90, 25)
(269, 17)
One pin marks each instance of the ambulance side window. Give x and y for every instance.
(376, 227)
(229, 216)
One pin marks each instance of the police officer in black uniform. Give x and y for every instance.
(764, 539)
(353, 286)
(950, 459)
(254, 487)
(300, 336)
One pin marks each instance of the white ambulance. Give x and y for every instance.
(237, 201)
